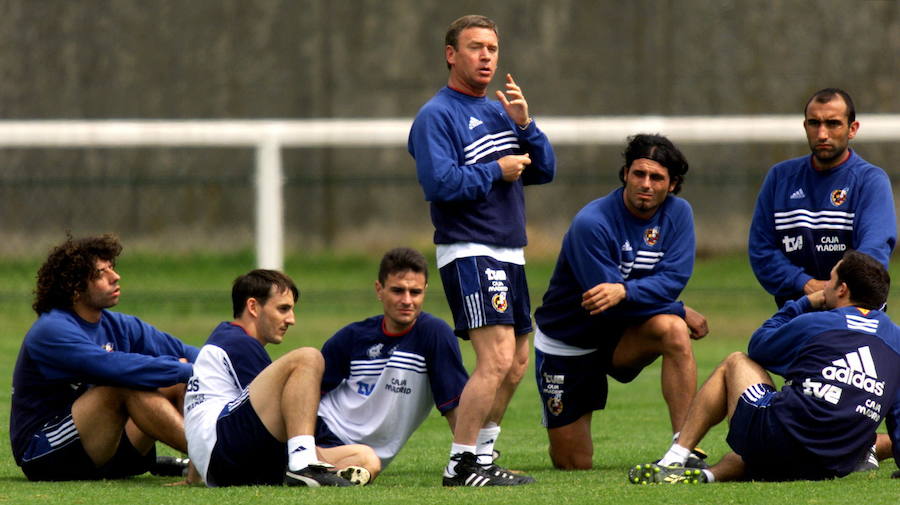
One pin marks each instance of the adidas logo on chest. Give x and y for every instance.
(857, 369)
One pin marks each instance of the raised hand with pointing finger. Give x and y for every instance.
(516, 106)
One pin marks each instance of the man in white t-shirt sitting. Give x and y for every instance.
(384, 374)
(250, 421)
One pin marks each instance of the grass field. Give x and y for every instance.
(189, 295)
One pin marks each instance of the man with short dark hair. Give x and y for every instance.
(93, 389)
(251, 421)
(384, 374)
(611, 308)
(840, 357)
(473, 158)
(813, 208)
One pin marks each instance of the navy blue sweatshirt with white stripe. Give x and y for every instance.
(842, 377)
(805, 220)
(63, 355)
(653, 258)
(456, 140)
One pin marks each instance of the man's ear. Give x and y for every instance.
(450, 55)
(843, 290)
(853, 128)
(251, 307)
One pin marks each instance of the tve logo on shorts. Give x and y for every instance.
(495, 275)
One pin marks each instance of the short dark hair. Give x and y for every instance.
(869, 282)
(469, 21)
(401, 259)
(69, 267)
(258, 284)
(826, 95)
(659, 149)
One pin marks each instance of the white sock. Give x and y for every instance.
(709, 475)
(455, 449)
(677, 455)
(487, 437)
(301, 452)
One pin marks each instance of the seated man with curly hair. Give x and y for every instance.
(93, 389)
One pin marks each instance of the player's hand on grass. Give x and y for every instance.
(602, 297)
(192, 477)
(696, 323)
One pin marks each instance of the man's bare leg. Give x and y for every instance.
(103, 412)
(155, 415)
(494, 349)
(343, 456)
(716, 400)
(883, 447)
(511, 381)
(571, 447)
(668, 336)
(286, 394)
(730, 467)
(719, 396)
(491, 429)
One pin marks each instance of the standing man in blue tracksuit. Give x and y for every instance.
(93, 389)
(473, 158)
(812, 209)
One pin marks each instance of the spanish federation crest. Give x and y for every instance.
(838, 197)
(499, 302)
(651, 236)
(374, 351)
(555, 405)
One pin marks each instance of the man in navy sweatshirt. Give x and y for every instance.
(840, 357)
(473, 158)
(612, 305)
(813, 208)
(93, 389)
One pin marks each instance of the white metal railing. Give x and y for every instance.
(268, 137)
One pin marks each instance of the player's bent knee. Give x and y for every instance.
(575, 459)
(571, 447)
(174, 393)
(736, 356)
(110, 393)
(675, 336)
(307, 357)
(735, 361)
(109, 400)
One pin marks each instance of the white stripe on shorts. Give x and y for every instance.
(475, 310)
